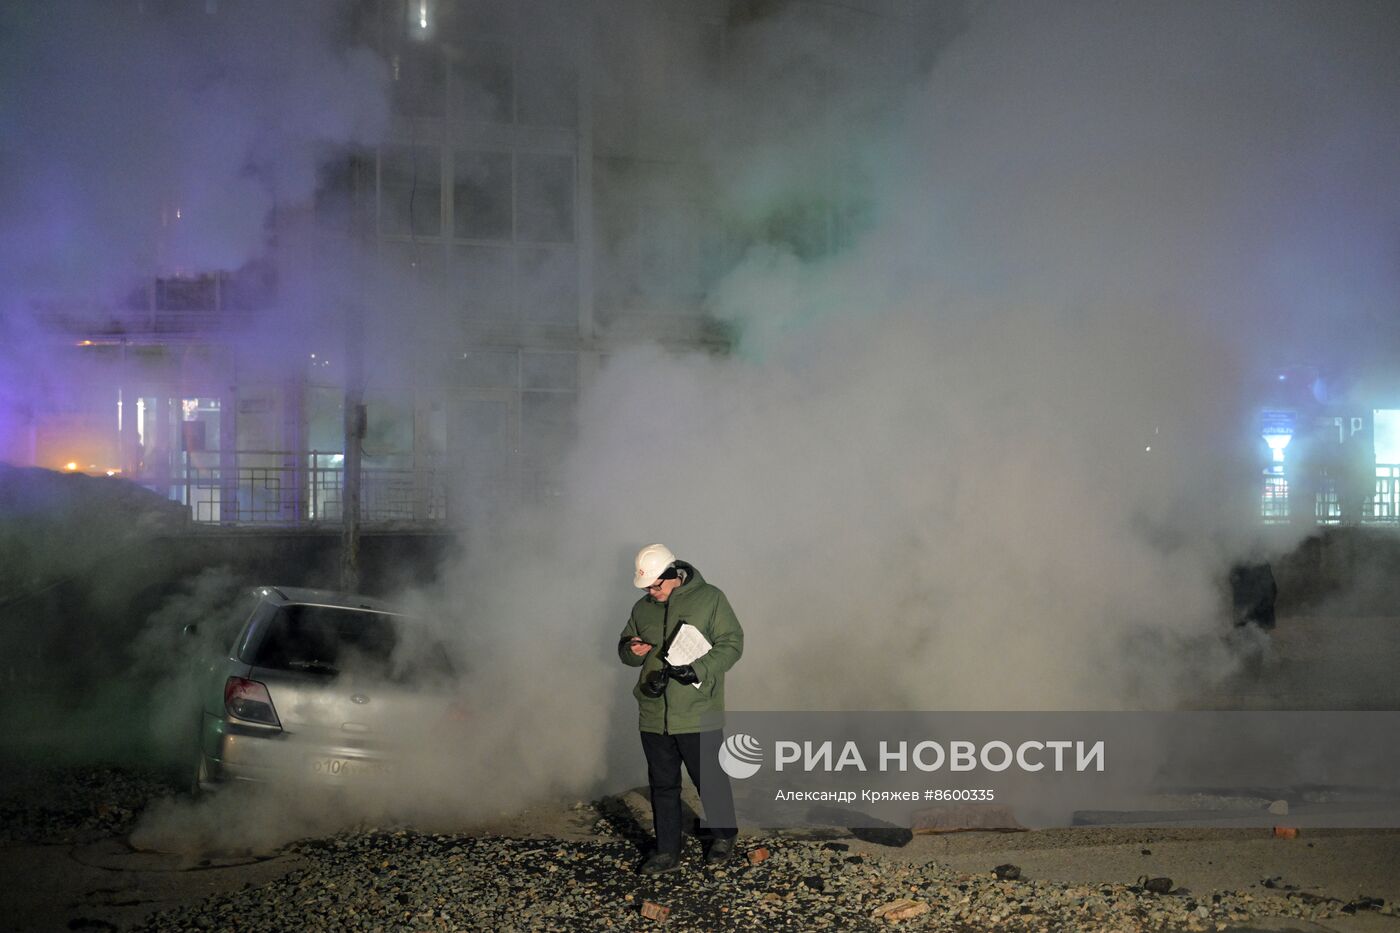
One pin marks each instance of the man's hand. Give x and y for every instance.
(685, 674)
(639, 647)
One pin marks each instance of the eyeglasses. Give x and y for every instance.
(670, 573)
(665, 575)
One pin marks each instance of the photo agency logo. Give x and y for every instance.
(740, 756)
(1055, 768)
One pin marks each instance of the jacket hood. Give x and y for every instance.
(693, 580)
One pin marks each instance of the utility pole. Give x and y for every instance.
(354, 405)
(354, 437)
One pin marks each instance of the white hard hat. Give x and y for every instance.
(652, 561)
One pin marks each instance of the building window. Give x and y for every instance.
(547, 428)
(410, 188)
(417, 72)
(554, 372)
(489, 62)
(1386, 443)
(656, 245)
(187, 294)
(547, 86)
(482, 276)
(466, 20)
(545, 198)
(481, 440)
(488, 369)
(547, 286)
(343, 201)
(482, 83)
(417, 264)
(477, 37)
(482, 195)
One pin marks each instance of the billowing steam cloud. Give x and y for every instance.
(984, 440)
(145, 138)
(997, 453)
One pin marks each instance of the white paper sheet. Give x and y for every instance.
(687, 645)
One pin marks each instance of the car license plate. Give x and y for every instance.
(348, 767)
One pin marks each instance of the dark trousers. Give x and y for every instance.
(664, 756)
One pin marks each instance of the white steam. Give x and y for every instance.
(992, 450)
(157, 141)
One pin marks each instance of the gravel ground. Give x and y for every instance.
(402, 879)
(407, 880)
(53, 805)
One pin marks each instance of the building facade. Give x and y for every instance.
(492, 215)
(550, 189)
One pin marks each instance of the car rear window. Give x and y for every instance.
(328, 640)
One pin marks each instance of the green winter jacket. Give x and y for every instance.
(683, 708)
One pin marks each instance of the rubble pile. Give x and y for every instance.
(64, 523)
(399, 878)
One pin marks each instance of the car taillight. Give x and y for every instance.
(248, 700)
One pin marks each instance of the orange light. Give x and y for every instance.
(84, 343)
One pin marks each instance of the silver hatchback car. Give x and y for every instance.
(323, 688)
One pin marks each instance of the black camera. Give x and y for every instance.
(655, 684)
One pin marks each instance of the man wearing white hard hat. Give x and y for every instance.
(681, 706)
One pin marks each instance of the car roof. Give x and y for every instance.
(314, 597)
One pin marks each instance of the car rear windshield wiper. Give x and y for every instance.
(314, 667)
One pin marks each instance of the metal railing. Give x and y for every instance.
(1385, 506)
(265, 487)
(1280, 501)
(270, 487)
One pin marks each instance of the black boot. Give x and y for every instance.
(659, 863)
(721, 850)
